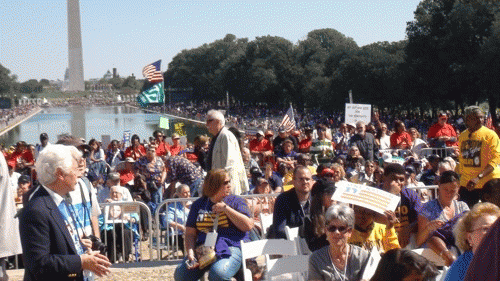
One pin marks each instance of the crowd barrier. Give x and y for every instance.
(122, 230)
(422, 153)
(441, 152)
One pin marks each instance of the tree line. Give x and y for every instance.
(450, 59)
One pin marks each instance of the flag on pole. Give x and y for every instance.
(153, 90)
(155, 94)
(489, 122)
(152, 72)
(288, 122)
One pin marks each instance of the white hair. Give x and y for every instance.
(53, 157)
(217, 115)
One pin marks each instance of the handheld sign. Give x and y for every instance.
(358, 112)
(365, 196)
(164, 124)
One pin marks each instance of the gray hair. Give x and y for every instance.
(179, 188)
(445, 165)
(217, 115)
(53, 157)
(114, 177)
(472, 110)
(360, 123)
(342, 213)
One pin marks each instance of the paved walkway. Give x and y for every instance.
(163, 273)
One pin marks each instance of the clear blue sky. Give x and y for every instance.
(130, 34)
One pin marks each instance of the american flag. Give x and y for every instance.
(288, 122)
(152, 72)
(489, 122)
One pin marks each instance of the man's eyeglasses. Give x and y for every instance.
(333, 228)
(210, 120)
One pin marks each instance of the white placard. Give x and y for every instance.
(358, 112)
(365, 196)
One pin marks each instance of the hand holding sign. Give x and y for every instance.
(365, 196)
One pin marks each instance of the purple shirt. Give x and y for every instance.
(202, 218)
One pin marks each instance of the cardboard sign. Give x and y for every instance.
(365, 196)
(358, 112)
(164, 124)
(179, 129)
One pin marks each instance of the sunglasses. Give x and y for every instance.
(333, 228)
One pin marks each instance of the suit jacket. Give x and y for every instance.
(49, 251)
(226, 154)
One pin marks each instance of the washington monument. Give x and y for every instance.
(75, 55)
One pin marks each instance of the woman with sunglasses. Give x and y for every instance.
(231, 219)
(339, 260)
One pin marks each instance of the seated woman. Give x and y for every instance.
(260, 205)
(368, 234)
(115, 225)
(469, 232)
(403, 265)
(438, 216)
(314, 228)
(234, 220)
(177, 215)
(339, 260)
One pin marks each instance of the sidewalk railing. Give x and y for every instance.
(122, 230)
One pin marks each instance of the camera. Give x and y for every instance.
(97, 244)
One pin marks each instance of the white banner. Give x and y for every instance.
(358, 112)
(365, 196)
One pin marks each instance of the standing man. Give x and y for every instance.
(293, 206)
(10, 245)
(479, 156)
(44, 141)
(52, 235)
(224, 152)
(364, 141)
(442, 134)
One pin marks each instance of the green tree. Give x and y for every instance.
(7, 80)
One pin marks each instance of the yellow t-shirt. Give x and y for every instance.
(380, 237)
(476, 151)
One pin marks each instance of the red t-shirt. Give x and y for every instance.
(260, 146)
(125, 177)
(162, 148)
(139, 152)
(401, 138)
(26, 155)
(305, 145)
(436, 131)
(175, 149)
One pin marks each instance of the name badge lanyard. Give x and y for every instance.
(212, 236)
(77, 223)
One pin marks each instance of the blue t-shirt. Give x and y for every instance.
(459, 267)
(202, 218)
(432, 210)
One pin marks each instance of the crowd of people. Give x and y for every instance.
(300, 166)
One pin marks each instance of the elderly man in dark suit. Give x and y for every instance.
(53, 241)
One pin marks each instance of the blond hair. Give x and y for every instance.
(465, 224)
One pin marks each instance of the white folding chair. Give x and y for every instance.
(292, 233)
(288, 268)
(265, 247)
(430, 255)
(266, 221)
